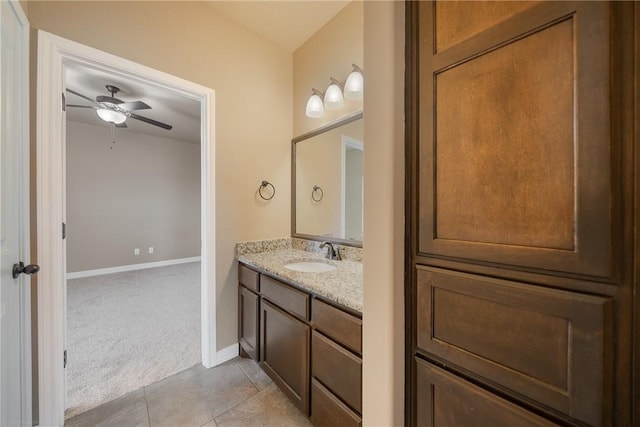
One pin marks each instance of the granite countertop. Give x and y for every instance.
(342, 285)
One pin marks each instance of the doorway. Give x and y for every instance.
(132, 236)
(54, 53)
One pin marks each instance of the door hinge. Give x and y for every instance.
(65, 359)
(64, 231)
(64, 102)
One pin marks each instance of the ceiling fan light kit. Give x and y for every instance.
(111, 116)
(115, 111)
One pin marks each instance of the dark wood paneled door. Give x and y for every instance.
(285, 344)
(249, 322)
(520, 210)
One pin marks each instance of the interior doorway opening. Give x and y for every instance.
(133, 235)
(54, 54)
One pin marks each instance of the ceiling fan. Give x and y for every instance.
(115, 111)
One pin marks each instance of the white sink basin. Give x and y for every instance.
(310, 267)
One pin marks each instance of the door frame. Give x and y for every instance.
(53, 53)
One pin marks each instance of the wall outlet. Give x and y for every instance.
(136, 251)
(150, 249)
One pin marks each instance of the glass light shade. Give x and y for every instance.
(111, 116)
(333, 99)
(315, 109)
(354, 86)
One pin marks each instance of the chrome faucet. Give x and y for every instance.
(332, 252)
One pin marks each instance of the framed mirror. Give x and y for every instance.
(327, 182)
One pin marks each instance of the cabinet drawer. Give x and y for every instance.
(546, 344)
(340, 326)
(248, 278)
(446, 400)
(327, 410)
(288, 298)
(338, 369)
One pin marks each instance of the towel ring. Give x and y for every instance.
(317, 194)
(262, 186)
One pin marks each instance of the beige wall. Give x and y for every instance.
(252, 79)
(383, 317)
(141, 191)
(328, 53)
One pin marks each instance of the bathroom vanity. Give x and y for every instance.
(304, 328)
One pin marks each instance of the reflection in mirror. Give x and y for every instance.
(328, 182)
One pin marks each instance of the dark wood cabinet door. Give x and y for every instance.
(248, 322)
(514, 165)
(284, 350)
(522, 193)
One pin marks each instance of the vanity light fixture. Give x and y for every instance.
(354, 86)
(315, 107)
(333, 99)
(111, 116)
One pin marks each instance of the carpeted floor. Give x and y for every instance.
(128, 330)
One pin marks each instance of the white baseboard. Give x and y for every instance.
(227, 353)
(131, 267)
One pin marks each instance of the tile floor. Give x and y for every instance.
(236, 393)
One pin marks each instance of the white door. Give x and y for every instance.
(15, 354)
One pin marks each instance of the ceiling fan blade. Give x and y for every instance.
(81, 95)
(81, 106)
(150, 121)
(121, 125)
(109, 99)
(135, 105)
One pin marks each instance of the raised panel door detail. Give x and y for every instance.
(514, 165)
(548, 345)
(457, 21)
(284, 351)
(461, 321)
(504, 151)
(249, 327)
(443, 399)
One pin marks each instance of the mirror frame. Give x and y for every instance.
(325, 128)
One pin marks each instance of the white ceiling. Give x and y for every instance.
(287, 23)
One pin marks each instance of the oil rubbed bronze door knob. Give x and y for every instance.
(20, 268)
